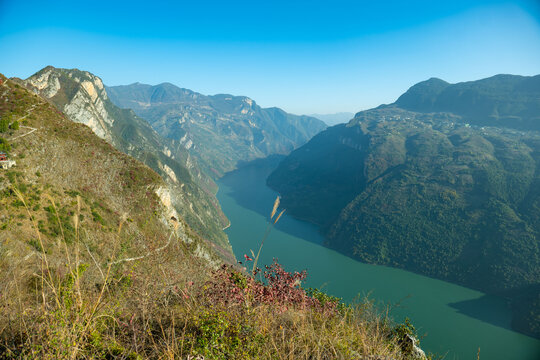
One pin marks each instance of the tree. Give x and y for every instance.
(15, 125)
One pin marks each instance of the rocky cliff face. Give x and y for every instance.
(221, 130)
(83, 98)
(86, 98)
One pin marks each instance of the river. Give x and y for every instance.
(452, 321)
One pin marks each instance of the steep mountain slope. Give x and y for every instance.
(70, 187)
(83, 98)
(429, 193)
(221, 130)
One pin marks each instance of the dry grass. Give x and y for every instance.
(273, 221)
(72, 302)
(57, 303)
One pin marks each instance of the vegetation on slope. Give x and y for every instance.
(150, 309)
(84, 99)
(428, 193)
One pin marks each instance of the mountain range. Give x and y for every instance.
(503, 100)
(67, 179)
(444, 182)
(221, 131)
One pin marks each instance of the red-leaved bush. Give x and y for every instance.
(282, 289)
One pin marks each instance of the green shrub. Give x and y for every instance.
(97, 217)
(217, 334)
(35, 244)
(4, 123)
(4, 145)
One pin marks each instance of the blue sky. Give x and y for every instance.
(304, 56)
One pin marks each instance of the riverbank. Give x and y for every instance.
(453, 320)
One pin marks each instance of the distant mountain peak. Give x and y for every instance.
(433, 84)
(435, 80)
(422, 95)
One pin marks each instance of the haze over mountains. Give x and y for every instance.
(220, 130)
(334, 119)
(444, 182)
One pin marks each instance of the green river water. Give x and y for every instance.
(453, 321)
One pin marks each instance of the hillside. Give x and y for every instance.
(73, 204)
(502, 100)
(428, 192)
(220, 130)
(96, 263)
(84, 99)
(62, 168)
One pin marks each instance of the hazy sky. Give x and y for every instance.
(304, 56)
